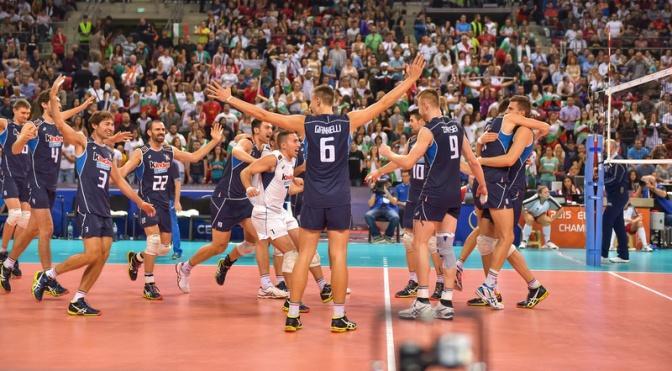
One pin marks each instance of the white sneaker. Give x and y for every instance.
(605, 260)
(416, 310)
(348, 291)
(618, 259)
(523, 245)
(441, 311)
(647, 248)
(631, 249)
(272, 292)
(551, 245)
(182, 278)
(612, 248)
(489, 296)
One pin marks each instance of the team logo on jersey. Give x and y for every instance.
(54, 140)
(159, 167)
(102, 162)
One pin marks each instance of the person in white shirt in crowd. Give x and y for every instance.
(172, 134)
(67, 173)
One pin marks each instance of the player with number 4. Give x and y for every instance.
(151, 163)
(326, 184)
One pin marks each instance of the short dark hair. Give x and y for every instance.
(325, 93)
(503, 105)
(100, 116)
(523, 102)
(21, 103)
(415, 113)
(282, 136)
(151, 124)
(256, 124)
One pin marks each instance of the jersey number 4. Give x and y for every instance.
(160, 182)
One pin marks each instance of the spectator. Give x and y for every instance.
(356, 163)
(67, 171)
(382, 205)
(548, 167)
(217, 164)
(638, 152)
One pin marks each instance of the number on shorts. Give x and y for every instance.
(160, 182)
(327, 151)
(419, 171)
(454, 147)
(103, 179)
(24, 150)
(54, 153)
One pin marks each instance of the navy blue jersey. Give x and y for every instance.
(417, 174)
(616, 183)
(154, 176)
(497, 148)
(45, 151)
(442, 182)
(326, 149)
(93, 167)
(13, 166)
(230, 186)
(517, 170)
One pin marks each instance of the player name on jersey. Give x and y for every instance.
(331, 129)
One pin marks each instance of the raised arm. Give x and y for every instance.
(287, 122)
(262, 165)
(126, 189)
(71, 112)
(425, 138)
(522, 138)
(475, 167)
(28, 133)
(374, 175)
(69, 134)
(413, 72)
(217, 134)
(3, 124)
(132, 163)
(533, 124)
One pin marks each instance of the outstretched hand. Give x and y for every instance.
(217, 132)
(122, 136)
(56, 86)
(216, 91)
(384, 150)
(414, 70)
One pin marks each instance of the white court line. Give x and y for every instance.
(641, 286)
(389, 333)
(575, 260)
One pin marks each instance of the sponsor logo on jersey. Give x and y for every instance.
(102, 162)
(159, 167)
(54, 140)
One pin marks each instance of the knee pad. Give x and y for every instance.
(512, 249)
(407, 241)
(153, 245)
(245, 248)
(444, 245)
(432, 244)
(164, 249)
(289, 260)
(23, 220)
(277, 252)
(316, 260)
(13, 217)
(485, 245)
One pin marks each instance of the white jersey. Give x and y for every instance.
(273, 186)
(535, 206)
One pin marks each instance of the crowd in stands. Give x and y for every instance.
(272, 53)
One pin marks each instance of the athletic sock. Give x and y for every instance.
(439, 278)
(491, 279)
(149, 277)
(51, 273)
(423, 294)
(533, 284)
(339, 310)
(413, 276)
(527, 230)
(78, 295)
(266, 281)
(139, 258)
(279, 278)
(447, 294)
(547, 233)
(9, 263)
(293, 309)
(460, 265)
(321, 283)
(3, 249)
(641, 233)
(186, 267)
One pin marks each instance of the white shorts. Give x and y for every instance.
(272, 225)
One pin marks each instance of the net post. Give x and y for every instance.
(599, 200)
(594, 144)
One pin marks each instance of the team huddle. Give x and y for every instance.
(310, 158)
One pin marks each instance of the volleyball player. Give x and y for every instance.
(326, 183)
(418, 172)
(230, 206)
(44, 142)
(152, 163)
(441, 142)
(95, 169)
(536, 210)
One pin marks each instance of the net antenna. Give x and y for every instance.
(624, 86)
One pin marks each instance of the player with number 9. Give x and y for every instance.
(151, 163)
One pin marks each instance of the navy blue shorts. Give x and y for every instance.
(498, 196)
(335, 218)
(425, 211)
(42, 198)
(409, 211)
(517, 196)
(15, 188)
(93, 225)
(226, 213)
(161, 218)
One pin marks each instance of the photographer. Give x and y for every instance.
(384, 205)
